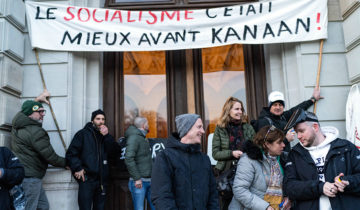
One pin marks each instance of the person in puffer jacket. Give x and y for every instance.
(323, 171)
(30, 142)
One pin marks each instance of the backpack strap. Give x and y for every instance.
(269, 120)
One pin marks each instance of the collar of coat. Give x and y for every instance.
(338, 146)
(174, 142)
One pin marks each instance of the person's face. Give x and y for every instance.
(146, 126)
(276, 147)
(38, 115)
(195, 133)
(277, 108)
(305, 134)
(99, 120)
(235, 111)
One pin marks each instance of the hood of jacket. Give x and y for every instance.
(253, 151)
(331, 133)
(21, 120)
(174, 142)
(132, 130)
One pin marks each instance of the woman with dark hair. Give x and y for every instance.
(259, 176)
(230, 134)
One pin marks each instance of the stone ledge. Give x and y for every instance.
(350, 9)
(354, 43)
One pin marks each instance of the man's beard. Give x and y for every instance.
(97, 126)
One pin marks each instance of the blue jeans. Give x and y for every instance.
(138, 195)
(35, 194)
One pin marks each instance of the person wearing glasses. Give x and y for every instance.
(275, 115)
(323, 171)
(230, 134)
(31, 144)
(259, 176)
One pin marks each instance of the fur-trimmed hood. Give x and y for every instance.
(253, 151)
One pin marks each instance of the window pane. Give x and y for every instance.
(223, 76)
(145, 90)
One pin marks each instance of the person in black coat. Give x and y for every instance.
(11, 173)
(87, 158)
(182, 177)
(323, 171)
(275, 115)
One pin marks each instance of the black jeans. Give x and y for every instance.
(91, 194)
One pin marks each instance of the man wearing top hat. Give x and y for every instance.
(182, 177)
(31, 144)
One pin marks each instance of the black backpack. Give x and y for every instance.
(255, 123)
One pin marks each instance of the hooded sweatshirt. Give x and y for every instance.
(318, 154)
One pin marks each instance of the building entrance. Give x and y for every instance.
(162, 84)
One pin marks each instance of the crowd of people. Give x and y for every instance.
(322, 171)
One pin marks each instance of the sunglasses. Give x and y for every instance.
(272, 128)
(41, 111)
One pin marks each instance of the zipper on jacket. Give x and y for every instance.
(98, 147)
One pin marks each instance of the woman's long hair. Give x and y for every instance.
(225, 114)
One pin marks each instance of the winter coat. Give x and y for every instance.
(31, 144)
(89, 151)
(302, 184)
(221, 145)
(267, 118)
(138, 155)
(249, 184)
(353, 116)
(13, 175)
(182, 178)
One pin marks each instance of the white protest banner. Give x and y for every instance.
(69, 28)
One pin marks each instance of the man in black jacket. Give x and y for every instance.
(87, 158)
(323, 171)
(182, 177)
(275, 115)
(11, 174)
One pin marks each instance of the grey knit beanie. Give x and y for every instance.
(185, 122)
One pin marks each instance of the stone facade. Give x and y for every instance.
(75, 79)
(292, 69)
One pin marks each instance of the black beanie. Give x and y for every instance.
(96, 112)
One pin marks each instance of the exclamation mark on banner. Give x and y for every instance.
(318, 21)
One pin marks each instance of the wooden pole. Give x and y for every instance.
(319, 70)
(51, 109)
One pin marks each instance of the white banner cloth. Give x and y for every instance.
(69, 28)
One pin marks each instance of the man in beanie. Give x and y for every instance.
(87, 158)
(31, 144)
(323, 171)
(275, 115)
(182, 176)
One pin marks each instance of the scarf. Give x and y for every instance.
(273, 193)
(236, 135)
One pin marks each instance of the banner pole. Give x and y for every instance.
(319, 70)
(51, 109)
